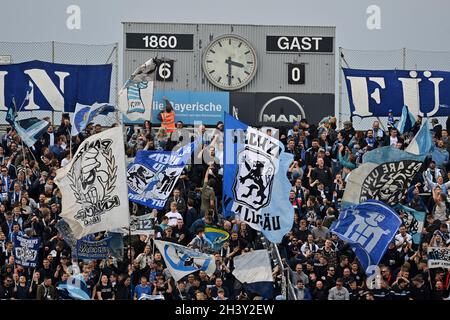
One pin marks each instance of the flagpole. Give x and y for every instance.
(21, 140)
(70, 145)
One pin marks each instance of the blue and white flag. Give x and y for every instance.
(54, 86)
(136, 96)
(153, 175)
(85, 114)
(88, 248)
(406, 121)
(181, 260)
(30, 130)
(413, 221)
(254, 270)
(385, 175)
(422, 142)
(26, 251)
(97, 250)
(112, 245)
(256, 187)
(368, 228)
(76, 287)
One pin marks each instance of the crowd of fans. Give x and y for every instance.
(320, 266)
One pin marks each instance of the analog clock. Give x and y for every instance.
(229, 62)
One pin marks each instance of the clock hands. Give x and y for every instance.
(232, 63)
(229, 70)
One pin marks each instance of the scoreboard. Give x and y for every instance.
(264, 75)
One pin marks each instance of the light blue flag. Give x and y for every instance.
(422, 143)
(85, 114)
(406, 121)
(413, 221)
(76, 287)
(256, 187)
(152, 175)
(30, 130)
(368, 227)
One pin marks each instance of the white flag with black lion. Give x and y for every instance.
(93, 185)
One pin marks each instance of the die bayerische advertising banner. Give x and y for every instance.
(191, 106)
(375, 92)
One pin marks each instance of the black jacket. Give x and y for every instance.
(422, 293)
(6, 293)
(123, 292)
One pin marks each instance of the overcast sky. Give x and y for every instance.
(404, 23)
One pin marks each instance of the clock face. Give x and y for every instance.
(229, 62)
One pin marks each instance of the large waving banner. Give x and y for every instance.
(93, 185)
(55, 87)
(374, 92)
(385, 176)
(255, 182)
(153, 175)
(387, 172)
(368, 228)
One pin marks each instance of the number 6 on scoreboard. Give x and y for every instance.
(165, 71)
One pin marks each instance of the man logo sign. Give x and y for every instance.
(281, 109)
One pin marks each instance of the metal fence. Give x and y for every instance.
(68, 53)
(406, 59)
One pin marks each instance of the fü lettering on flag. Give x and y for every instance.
(153, 175)
(181, 260)
(368, 228)
(254, 270)
(93, 185)
(256, 187)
